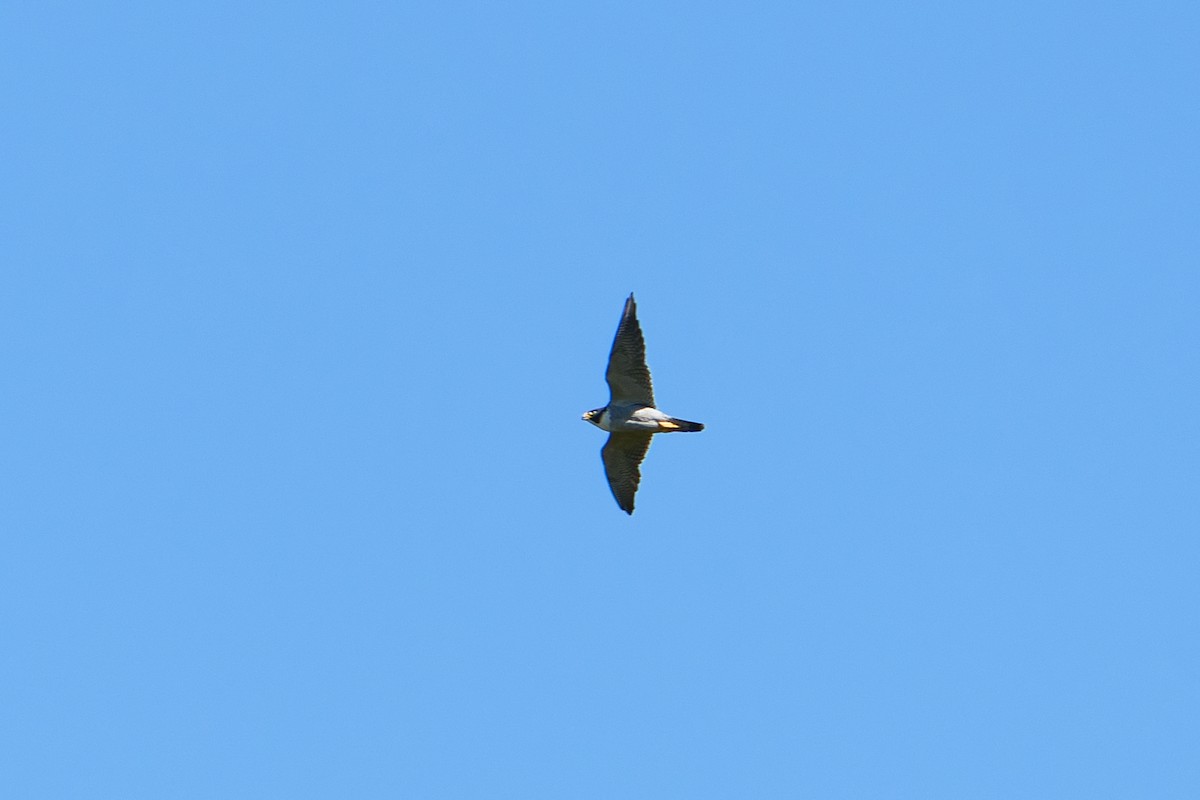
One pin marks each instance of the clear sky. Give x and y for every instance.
(301, 304)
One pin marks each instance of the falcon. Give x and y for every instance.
(630, 416)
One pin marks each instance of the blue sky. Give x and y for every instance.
(302, 303)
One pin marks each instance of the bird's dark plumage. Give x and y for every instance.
(628, 376)
(623, 454)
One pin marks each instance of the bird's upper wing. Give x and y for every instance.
(628, 376)
(622, 454)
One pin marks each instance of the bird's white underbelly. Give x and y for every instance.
(643, 419)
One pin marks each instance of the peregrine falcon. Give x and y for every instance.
(630, 416)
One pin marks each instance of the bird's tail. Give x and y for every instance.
(679, 426)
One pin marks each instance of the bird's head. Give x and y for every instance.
(593, 416)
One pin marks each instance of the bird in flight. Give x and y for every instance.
(630, 416)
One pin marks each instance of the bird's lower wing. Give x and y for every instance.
(623, 454)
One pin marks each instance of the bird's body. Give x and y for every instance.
(640, 419)
(630, 416)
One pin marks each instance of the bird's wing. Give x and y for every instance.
(628, 376)
(622, 454)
